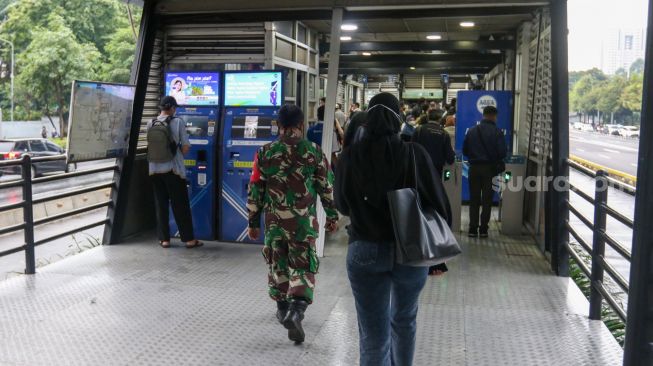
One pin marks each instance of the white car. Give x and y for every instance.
(611, 129)
(629, 131)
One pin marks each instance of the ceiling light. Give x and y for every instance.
(367, 54)
(467, 24)
(349, 27)
(345, 38)
(412, 67)
(434, 37)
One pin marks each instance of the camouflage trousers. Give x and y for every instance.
(293, 266)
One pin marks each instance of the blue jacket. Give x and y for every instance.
(314, 133)
(484, 143)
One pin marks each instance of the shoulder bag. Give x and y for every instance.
(423, 237)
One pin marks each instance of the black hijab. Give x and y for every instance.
(379, 159)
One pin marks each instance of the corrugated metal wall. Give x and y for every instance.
(537, 126)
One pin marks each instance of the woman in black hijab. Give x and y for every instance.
(385, 292)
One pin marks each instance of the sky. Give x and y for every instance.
(590, 19)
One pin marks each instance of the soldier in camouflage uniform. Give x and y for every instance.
(288, 176)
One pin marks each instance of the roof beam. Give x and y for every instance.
(459, 12)
(218, 11)
(459, 57)
(407, 70)
(409, 62)
(418, 46)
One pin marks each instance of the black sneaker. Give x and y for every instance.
(472, 234)
(483, 234)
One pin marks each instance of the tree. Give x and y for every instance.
(91, 21)
(609, 94)
(51, 61)
(586, 91)
(120, 51)
(631, 97)
(637, 67)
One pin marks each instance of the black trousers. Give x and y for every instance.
(170, 191)
(481, 193)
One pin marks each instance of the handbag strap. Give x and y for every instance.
(411, 159)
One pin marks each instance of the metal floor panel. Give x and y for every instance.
(137, 304)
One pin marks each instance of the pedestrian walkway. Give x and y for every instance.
(138, 304)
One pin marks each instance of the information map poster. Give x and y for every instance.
(253, 89)
(100, 119)
(194, 88)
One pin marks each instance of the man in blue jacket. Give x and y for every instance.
(485, 148)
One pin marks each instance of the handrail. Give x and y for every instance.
(599, 265)
(612, 182)
(25, 182)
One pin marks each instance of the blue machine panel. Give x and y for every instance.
(201, 169)
(245, 130)
(469, 112)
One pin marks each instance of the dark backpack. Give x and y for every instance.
(161, 147)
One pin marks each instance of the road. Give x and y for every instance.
(55, 250)
(614, 152)
(13, 195)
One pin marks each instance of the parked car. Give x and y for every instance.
(16, 148)
(611, 129)
(629, 131)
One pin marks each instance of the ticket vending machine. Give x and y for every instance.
(198, 94)
(252, 101)
(201, 172)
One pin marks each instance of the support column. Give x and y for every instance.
(140, 74)
(559, 136)
(270, 46)
(330, 107)
(638, 349)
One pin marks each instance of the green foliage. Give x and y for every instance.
(52, 60)
(637, 67)
(57, 41)
(592, 92)
(611, 320)
(62, 142)
(120, 54)
(631, 97)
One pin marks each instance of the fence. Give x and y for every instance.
(599, 266)
(26, 204)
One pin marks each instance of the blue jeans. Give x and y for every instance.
(386, 297)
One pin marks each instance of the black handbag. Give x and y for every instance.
(423, 237)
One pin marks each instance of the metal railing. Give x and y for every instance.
(598, 266)
(26, 182)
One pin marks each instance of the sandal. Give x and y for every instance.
(166, 245)
(197, 244)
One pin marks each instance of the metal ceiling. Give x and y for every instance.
(398, 27)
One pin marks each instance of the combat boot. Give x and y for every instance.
(293, 320)
(282, 310)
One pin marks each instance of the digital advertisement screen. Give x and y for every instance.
(194, 88)
(260, 89)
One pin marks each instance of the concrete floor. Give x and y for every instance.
(137, 304)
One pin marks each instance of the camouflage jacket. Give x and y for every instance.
(287, 177)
